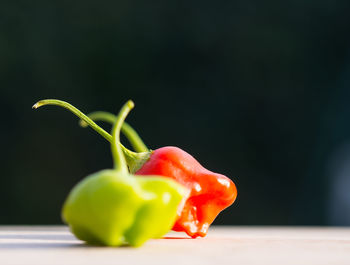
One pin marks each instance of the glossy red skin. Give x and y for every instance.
(210, 193)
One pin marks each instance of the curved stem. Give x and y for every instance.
(118, 156)
(130, 156)
(75, 111)
(132, 136)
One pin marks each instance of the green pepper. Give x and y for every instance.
(113, 208)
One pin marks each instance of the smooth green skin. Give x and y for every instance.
(112, 207)
(158, 214)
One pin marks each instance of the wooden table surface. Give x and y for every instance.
(224, 245)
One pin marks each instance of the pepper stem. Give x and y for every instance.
(134, 160)
(118, 156)
(75, 111)
(132, 136)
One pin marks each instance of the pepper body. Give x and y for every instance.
(210, 192)
(111, 209)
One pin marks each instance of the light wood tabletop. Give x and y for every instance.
(224, 245)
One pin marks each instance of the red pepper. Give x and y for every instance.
(210, 192)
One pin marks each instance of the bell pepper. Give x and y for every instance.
(113, 207)
(210, 192)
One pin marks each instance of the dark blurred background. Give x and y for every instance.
(256, 90)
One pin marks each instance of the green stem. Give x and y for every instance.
(132, 136)
(75, 111)
(118, 156)
(134, 160)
